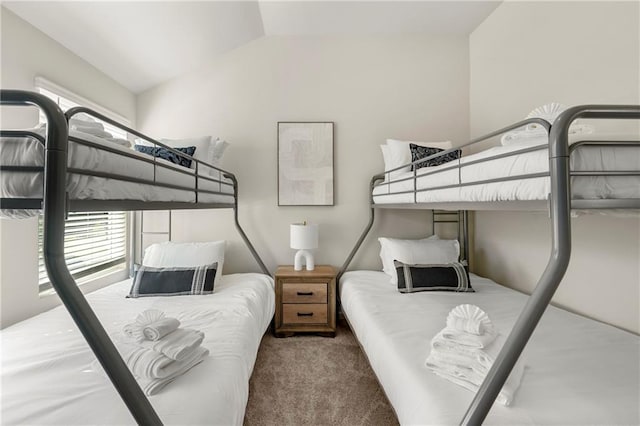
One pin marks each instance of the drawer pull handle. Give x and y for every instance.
(305, 293)
(305, 314)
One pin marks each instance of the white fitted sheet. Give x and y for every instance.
(46, 364)
(579, 371)
(584, 187)
(20, 151)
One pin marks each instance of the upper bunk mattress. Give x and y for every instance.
(577, 371)
(48, 377)
(27, 151)
(585, 158)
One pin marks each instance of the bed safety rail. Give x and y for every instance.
(54, 209)
(560, 208)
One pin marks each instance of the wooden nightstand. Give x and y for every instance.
(305, 301)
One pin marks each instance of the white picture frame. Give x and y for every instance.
(305, 164)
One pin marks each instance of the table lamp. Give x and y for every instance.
(304, 237)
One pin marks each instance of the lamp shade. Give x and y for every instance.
(304, 236)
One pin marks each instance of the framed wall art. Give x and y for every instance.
(305, 164)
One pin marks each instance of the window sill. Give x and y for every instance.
(95, 281)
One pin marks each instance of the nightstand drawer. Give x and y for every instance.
(304, 293)
(304, 313)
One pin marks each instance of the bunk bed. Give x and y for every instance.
(579, 371)
(47, 376)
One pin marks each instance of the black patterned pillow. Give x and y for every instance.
(418, 152)
(164, 153)
(175, 281)
(446, 277)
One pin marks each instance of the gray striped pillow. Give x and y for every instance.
(443, 277)
(173, 281)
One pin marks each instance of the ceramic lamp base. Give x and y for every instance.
(308, 260)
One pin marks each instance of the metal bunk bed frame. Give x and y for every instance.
(55, 205)
(559, 206)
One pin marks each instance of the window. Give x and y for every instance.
(67, 100)
(95, 242)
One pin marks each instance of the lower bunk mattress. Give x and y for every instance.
(48, 376)
(577, 371)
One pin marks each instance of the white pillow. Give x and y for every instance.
(399, 154)
(168, 254)
(216, 151)
(427, 251)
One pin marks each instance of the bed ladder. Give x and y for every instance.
(461, 218)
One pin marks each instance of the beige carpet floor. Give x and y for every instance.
(313, 380)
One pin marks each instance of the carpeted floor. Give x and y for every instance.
(313, 380)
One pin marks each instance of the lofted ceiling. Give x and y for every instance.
(142, 43)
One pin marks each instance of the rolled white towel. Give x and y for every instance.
(177, 345)
(133, 331)
(151, 324)
(470, 319)
(160, 328)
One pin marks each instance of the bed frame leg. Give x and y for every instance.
(246, 240)
(54, 210)
(365, 232)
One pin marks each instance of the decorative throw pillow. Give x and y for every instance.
(203, 146)
(425, 251)
(173, 281)
(419, 152)
(169, 155)
(399, 154)
(442, 277)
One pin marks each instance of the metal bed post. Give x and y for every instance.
(253, 251)
(54, 210)
(560, 208)
(366, 230)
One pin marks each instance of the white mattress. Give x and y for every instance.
(583, 187)
(46, 364)
(20, 151)
(578, 371)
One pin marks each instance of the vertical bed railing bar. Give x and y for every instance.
(54, 210)
(560, 209)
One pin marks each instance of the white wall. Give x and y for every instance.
(528, 54)
(373, 88)
(25, 54)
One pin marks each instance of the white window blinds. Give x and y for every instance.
(94, 241)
